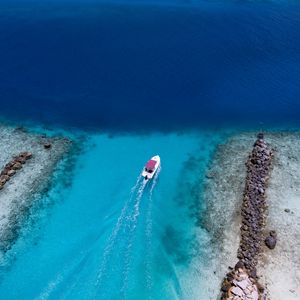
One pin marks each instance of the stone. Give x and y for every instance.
(9, 165)
(4, 179)
(253, 273)
(225, 286)
(26, 155)
(253, 213)
(260, 287)
(5, 170)
(11, 173)
(239, 265)
(242, 284)
(261, 190)
(230, 276)
(243, 276)
(21, 160)
(17, 166)
(47, 145)
(237, 291)
(270, 242)
(255, 295)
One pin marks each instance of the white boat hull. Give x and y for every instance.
(148, 175)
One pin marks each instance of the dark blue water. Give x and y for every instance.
(126, 66)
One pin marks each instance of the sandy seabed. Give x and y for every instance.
(18, 193)
(278, 269)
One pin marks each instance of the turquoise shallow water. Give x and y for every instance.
(110, 237)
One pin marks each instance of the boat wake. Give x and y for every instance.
(114, 235)
(148, 234)
(97, 273)
(131, 235)
(122, 238)
(131, 227)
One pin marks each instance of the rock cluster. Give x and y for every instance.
(253, 219)
(13, 166)
(238, 285)
(271, 240)
(254, 204)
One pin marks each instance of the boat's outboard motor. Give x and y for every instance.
(146, 177)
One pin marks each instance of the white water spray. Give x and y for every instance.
(128, 222)
(131, 229)
(113, 237)
(148, 233)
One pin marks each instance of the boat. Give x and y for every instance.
(151, 167)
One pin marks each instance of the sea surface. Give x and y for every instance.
(132, 79)
(110, 235)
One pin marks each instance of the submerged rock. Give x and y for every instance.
(47, 145)
(239, 265)
(26, 155)
(260, 136)
(13, 166)
(17, 197)
(270, 242)
(11, 173)
(17, 166)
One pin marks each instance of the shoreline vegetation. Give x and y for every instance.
(277, 267)
(27, 162)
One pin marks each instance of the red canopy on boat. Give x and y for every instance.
(150, 164)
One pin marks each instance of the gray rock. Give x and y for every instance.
(270, 242)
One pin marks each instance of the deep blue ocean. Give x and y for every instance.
(131, 79)
(150, 65)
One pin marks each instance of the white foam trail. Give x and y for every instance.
(69, 267)
(132, 227)
(52, 285)
(148, 233)
(154, 182)
(113, 237)
(76, 270)
(138, 201)
(46, 293)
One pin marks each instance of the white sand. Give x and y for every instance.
(223, 195)
(279, 268)
(17, 194)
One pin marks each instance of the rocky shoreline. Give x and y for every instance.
(24, 176)
(253, 214)
(277, 269)
(12, 167)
